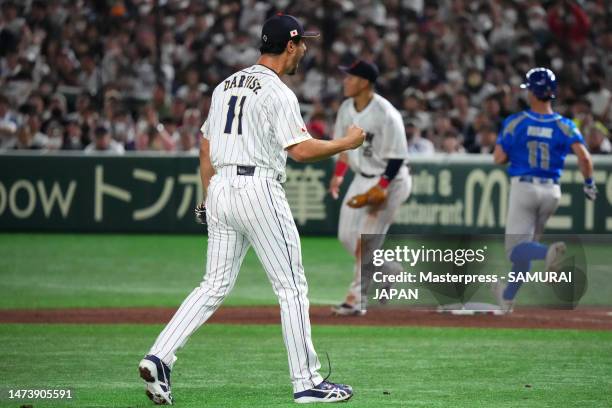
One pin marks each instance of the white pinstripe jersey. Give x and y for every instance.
(253, 118)
(385, 134)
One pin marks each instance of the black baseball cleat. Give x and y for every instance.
(156, 375)
(324, 392)
(346, 309)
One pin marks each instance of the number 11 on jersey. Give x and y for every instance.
(533, 147)
(229, 122)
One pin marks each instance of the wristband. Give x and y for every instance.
(341, 168)
(384, 182)
(588, 181)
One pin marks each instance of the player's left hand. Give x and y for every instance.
(374, 197)
(200, 214)
(590, 191)
(334, 186)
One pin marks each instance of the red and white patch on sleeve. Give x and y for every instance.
(303, 129)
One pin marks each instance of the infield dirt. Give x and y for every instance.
(527, 318)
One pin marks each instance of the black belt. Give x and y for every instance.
(245, 170)
(250, 171)
(532, 179)
(373, 175)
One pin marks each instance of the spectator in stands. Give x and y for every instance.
(148, 118)
(104, 143)
(441, 128)
(55, 135)
(155, 138)
(582, 114)
(569, 23)
(451, 143)
(161, 102)
(27, 139)
(598, 140)
(317, 126)
(90, 76)
(462, 111)
(8, 123)
(599, 96)
(192, 122)
(414, 109)
(193, 90)
(36, 103)
(73, 137)
(171, 128)
(485, 141)
(186, 141)
(112, 57)
(417, 144)
(177, 110)
(34, 125)
(492, 110)
(123, 130)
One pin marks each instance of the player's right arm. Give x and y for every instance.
(342, 166)
(585, 164)
(285, 111)
(311, 150)
(206, 173)
(206, 168)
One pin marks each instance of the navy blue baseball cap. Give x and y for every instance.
(541, 82)
(281, 28)
(363, 69)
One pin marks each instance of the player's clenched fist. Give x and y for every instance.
(354, 136)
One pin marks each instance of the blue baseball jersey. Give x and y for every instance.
(537, 144)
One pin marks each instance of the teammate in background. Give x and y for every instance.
(534, 143)
(253, 123)
(382, 181)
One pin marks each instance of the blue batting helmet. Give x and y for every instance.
(541, 82)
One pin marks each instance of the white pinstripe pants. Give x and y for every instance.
(244, 211)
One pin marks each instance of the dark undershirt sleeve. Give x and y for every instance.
(393, 167)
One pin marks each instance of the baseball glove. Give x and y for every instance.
(200, 214)
(374, 197)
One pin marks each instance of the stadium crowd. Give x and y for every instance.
(116, 75)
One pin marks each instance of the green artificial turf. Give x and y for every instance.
(83, 270)
(106, 270)
(246, 366)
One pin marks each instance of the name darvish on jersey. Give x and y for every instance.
(253, 117)
(243, 81)
(385, 134)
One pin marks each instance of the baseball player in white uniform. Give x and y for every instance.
(382, 181)
(254, 122)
